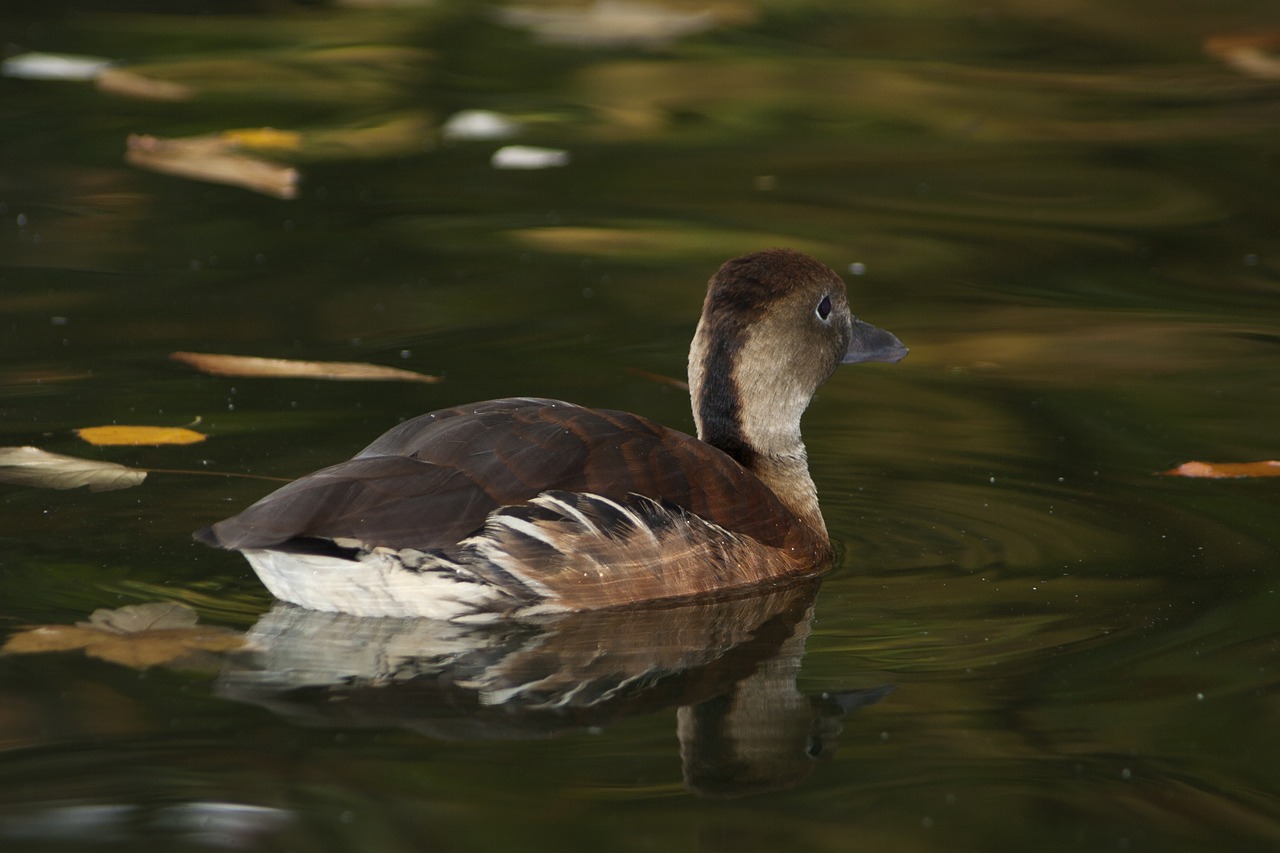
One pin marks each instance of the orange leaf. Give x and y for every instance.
(240, 365)
(1222, 470)
(139, 435)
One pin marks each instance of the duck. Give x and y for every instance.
(512, 508)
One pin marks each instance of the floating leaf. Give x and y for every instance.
(31, 466)
(264, 137)
(1249, 54)
(1224, 470)
(138, 636)
(242, 365)
(213, 159)
(139, 435)
(131, 84)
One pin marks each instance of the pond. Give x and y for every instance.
(1032, 640)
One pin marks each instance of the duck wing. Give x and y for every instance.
(432, 481)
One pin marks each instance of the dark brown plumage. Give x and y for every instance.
(455, 466)
(520, 505)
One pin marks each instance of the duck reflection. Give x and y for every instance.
(729, 666)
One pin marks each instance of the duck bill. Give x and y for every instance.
(871, 343)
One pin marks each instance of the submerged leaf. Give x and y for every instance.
(1224, 470)
(138, 636)
(151, 616)
(242, 365)
(31, 466)
(139, 435)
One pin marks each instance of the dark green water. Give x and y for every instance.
(1069, 212)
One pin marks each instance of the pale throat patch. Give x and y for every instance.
(772, 400)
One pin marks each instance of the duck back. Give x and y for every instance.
(431, 482)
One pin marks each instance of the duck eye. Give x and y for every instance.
(824, 308)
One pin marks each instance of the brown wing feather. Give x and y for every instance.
(431, 481)
(585, 552)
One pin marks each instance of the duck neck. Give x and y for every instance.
(753, 419)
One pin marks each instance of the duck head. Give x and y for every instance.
(775, 326)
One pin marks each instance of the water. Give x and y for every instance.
(1032, 641)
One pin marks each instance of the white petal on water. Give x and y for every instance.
(479, 124)
(528, 157)
(53, 66)
(609, 23)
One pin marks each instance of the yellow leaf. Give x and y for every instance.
(139, 435)
(239, 365)
(1224, 470)
(264, 137)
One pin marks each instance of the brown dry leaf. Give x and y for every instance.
(242, 365)
(1248, 53)
(138, 636)
(135, 436)
(1223, 470)
(31, 466)
(131, 84)
(214, 159)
